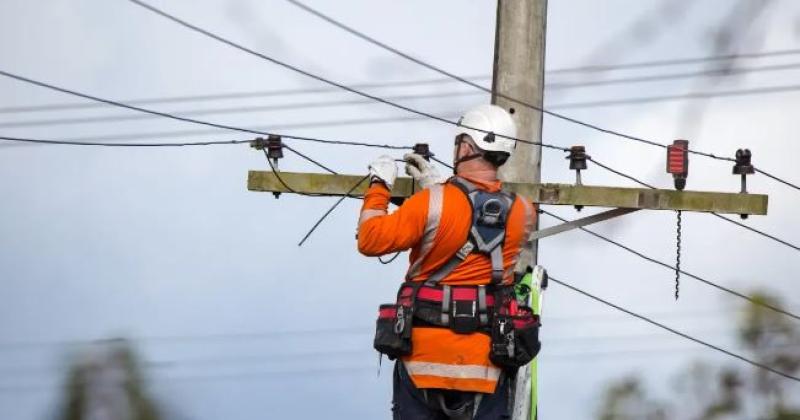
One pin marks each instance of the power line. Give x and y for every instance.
(299, 125)
(423, 82)
(320, 78)
(678, 97)
(336, 103)
(676, 332)
(670, 267)
(675, 61)
(230, 95)
(441, 71)
(227, 110)
(417, 61)
(186, 119)
(722, 72)
(87, 143)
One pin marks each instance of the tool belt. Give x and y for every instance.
(491, 310)
(464, 309)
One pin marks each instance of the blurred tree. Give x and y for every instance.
(706, 392)
(105, 384)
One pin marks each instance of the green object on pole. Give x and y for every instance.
(535, 295)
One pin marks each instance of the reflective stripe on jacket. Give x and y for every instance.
(434, 224)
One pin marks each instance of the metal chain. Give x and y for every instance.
(678, 255)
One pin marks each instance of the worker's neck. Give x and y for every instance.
(477, 169)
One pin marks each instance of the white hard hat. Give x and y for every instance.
(482, 120)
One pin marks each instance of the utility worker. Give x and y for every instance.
(447, 372)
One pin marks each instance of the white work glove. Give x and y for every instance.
(421, 170)
(384, 169)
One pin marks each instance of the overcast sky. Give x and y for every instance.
(232, 319)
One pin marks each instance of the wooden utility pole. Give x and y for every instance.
(519, 55)
(519, 73)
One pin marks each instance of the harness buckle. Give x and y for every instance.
(464, 319)
(465, 250)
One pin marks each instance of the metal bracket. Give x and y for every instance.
(578, 223)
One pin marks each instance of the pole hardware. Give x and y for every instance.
(743, 167)
(274, 151)
(678, 162)
(274, 148)
(577, 162)
(423, 150)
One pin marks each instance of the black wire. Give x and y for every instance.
(309, 159)
(441, 71)
(86, 143)
(390, 260)
(676, 332)
(311, 124)
(686, 273)
(675, 61)
(301, 91)
(225, 110)
(678, 97)
(322, 79)
(303, 105)
(446, 165)
(752, 229)
(782, 181)
(286, 186)
(719, 72)
(229, 95)
(184, 119)
(433, 68)
(333, 207)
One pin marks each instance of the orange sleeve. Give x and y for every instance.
(394, 232)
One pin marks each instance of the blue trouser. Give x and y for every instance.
(412, 403)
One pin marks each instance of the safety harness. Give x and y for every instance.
(466, 309)
(491, 309)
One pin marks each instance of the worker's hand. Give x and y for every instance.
(383, 169)
(421, 170)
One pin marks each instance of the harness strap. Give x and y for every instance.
(497, 265)
(450, 265)
(446, 305)
(482, 313)
(435, 202)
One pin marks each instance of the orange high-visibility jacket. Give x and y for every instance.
(434, 223)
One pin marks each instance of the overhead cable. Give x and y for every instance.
(180, 118)
(422, 82)
(423, 64)
(670, 267)
(676, 332)
(439, 70)
(320, 78)
(228, 110)
(346, 102)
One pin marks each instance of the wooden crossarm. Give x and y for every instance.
(559, 194)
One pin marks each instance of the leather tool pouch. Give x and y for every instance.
(515, 339)
(393, 330)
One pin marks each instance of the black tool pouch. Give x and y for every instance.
(515, 339)
(393, 330)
